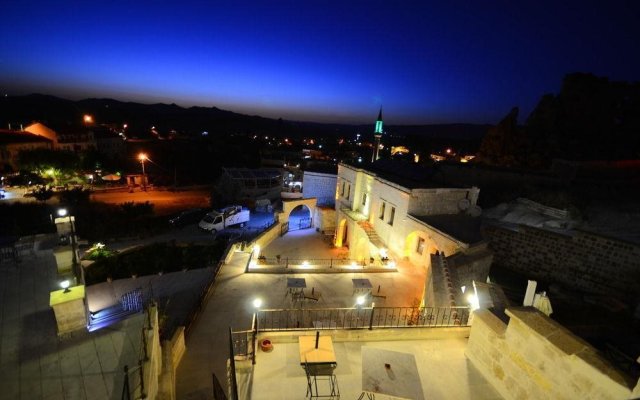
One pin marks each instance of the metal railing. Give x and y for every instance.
(320, 263)
(362, 318)
(134, 386)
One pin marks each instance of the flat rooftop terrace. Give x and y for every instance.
(443, 369)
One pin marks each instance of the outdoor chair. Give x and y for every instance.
(314, 295)
(377, 294)
(321, 382)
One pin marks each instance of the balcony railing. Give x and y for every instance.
(361, 318)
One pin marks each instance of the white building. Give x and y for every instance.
(388, 211)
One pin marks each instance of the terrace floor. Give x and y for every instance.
(444, 371)
(230, 305)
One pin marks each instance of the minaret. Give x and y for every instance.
(377, 134)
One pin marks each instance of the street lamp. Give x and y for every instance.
(143, 157)
(62, 212)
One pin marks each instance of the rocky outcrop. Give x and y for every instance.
(504, 143)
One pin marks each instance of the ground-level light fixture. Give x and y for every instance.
(257, 303)
(474, 303)
(65, 285)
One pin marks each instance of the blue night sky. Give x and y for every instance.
(330, 61)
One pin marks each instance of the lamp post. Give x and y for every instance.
(143, 157)
(62, 212)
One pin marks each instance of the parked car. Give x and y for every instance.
(187, 217)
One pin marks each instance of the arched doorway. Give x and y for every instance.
(296, 214)
(342, 234)
(300, 218)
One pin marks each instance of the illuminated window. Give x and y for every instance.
(342, 190)
(364, 199)
(392, 216)
(382, 206)
(420, 247)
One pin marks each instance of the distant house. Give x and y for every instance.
(261, 183)
(109, 143)
(68, 139)
(13, 142)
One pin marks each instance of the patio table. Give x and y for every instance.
(361, 285)
(390, 373)
(296, 286)
(323, 354)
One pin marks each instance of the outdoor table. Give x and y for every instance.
(361, 285)
(390, 373)
(322, 355)
(296, 286)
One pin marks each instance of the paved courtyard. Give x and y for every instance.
(231, 305)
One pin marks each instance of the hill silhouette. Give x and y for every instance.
(67, 114)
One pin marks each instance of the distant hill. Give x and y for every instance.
(61, 114)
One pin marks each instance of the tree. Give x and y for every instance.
(44, 162)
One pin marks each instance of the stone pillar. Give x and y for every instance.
(69, 309)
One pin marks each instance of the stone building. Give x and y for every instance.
(13, 142)
(386, 210)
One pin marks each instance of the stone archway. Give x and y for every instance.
(291, 205)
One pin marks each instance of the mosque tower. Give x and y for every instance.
(377, 134)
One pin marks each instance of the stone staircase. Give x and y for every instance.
(130, 303)
(371, 233)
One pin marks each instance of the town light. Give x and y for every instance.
(62, 212)
(88, 119)
(142, 157)
(360, 300)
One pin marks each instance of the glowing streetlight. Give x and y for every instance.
(62, 212)
(88, 119)
(360, 300)
(257, 303)
(143, 157)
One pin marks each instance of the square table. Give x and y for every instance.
(296, 286)
(391, 373)
(361, 285)
(324, 354)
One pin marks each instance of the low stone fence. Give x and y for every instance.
(535, 357)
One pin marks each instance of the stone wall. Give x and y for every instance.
(582, 260)
(440, 201)
(321, 186)
(533, 357)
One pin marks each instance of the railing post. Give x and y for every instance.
(255, 335)
(371, 318)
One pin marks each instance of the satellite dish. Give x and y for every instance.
(474, 211)
(463, 204)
